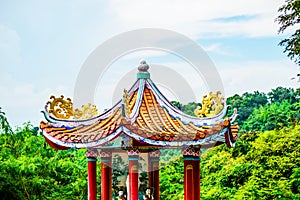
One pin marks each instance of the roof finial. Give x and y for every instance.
(143, 67)
(143, 70)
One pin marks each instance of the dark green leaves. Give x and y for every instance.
(289, 17)
(30, 171)
(269, 169)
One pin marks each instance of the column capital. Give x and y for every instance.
(91, 153)
(154, 154)
(133, 152)
(191, 151)
(105, 154)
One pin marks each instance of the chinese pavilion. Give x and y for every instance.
(143, 121)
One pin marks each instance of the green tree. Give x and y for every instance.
(290, 17)
(273, 116)
(280, 94)
(187, 108)
(171, 180)
(268, 169)
(190, 108)
(5, 128)
(246, 103)
(33, 170)
(177, 104)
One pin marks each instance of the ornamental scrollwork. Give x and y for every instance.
(212, 104)
(63, 109)
(87, 111)
(126, 103)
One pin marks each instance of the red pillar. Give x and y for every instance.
(133, 166)
(196, 166)
(191, 173)
(150, 173)
(188, 179)
(92, 173)
(153, 174)
(106, 175)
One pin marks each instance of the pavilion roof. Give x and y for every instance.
(145, 115)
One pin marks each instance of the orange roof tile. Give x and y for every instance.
(149, 118)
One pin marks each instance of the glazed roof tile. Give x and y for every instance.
(150, 119)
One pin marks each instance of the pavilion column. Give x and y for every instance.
(106, 175)
(196, 176)
(153, 174)
(191, 158)
(133, 166)
(91, 155)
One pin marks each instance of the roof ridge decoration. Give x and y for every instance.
(125, 104)
(143, 114)
(63, 109)
(143, 70)
(135, 112)
(178, 114)
(212, 104)
(51, 118)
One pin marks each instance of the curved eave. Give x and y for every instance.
(224, 136)
(139, 86)
(152, 120)
(54, 145)
(178, 114)
(83, 144)
(76, 122)
(82, 134)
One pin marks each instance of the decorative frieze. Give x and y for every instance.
(91, 153)
(154, 154)
(191, 151)
(133, 152)
(105, 154)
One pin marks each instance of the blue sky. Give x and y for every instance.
(44, 43)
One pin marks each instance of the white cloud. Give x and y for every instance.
(143, 54)
(197, 18)
(216, 48)
(237, 78)
(22, 101)
(263, 76)
(9, 47)
(65, 38)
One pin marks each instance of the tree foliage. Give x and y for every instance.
(262, 165)
(246, 103)
(30, 169)
(281, 94)
(187, 108)
(171, 180)
(289, 17)
(258, 111)
(4, 125)
(268, 169)
(273, 116)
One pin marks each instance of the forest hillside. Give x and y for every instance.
(264, 164)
